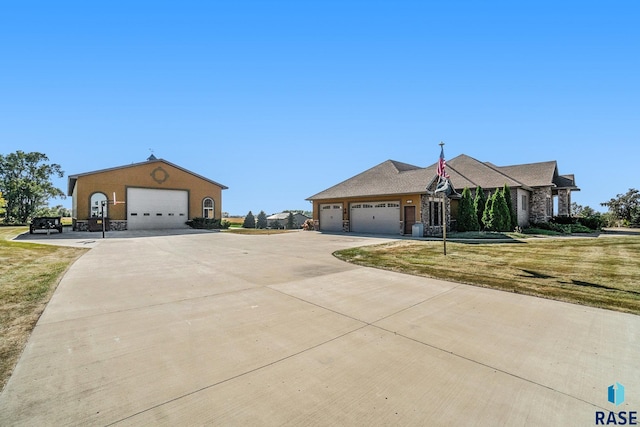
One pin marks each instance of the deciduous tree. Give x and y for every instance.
(624, 206)
(2, 205)
(57, 210)
(25, 181)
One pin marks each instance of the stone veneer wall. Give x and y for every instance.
(114, 225)
(426, 214)
(540, 200)
(118, 225)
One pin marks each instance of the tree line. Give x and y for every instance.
(260, 222)
(26, 188)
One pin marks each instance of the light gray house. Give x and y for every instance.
(279, 220)
(392, 196)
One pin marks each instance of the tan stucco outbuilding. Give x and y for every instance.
(155, 194)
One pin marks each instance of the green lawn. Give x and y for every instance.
(29, 273)
(601, 272)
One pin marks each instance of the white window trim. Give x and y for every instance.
(206, 209)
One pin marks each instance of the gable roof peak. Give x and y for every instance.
(72, 179)
(402, 167)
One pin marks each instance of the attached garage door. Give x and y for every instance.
(375, 217)
(153, 209)
(331, 217)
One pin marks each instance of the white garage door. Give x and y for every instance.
(375, 217)
(152, 208)
(331, 217)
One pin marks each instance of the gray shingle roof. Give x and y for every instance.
(387, 178)
(392, 177)
(478, 173)
(534, 174)
(285, 215)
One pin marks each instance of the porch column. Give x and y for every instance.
(564, 202)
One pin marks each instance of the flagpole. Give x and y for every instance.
(444, 215)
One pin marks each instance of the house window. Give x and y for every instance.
(207, 208)
(434, 213)
(96, 205)
(524, 202)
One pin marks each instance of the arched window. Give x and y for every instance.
(207, 208)
(96, 202)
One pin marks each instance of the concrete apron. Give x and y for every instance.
(226, 329)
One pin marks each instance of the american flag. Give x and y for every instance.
(441, 165)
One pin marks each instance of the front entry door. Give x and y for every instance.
(409, 218)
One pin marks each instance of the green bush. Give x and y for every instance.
(564, 220)
(552, 226)
(594, 222)
(579, 228)
(560, 228)
(542, 231)
(208, 224)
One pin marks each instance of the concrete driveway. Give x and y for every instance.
(222, 329)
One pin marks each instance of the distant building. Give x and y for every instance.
(279, 220)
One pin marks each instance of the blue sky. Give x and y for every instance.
(279, 100)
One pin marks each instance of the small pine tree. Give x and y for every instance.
(500, 218)
(249, 221)
(487, 219)
(513, 218)
(479, 204)
(261, 221)
(467, 219)
(290, 221)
